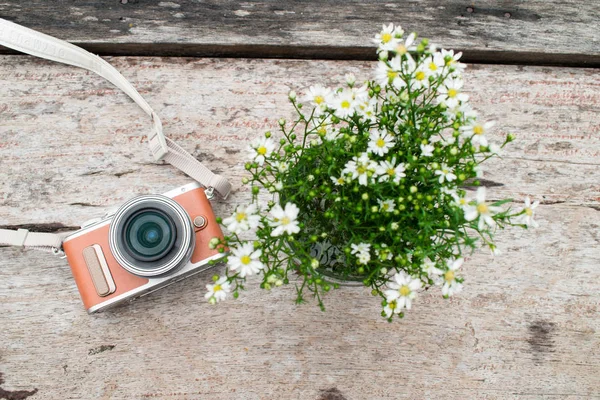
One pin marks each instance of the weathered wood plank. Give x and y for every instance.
(71, 148)
(534, 32)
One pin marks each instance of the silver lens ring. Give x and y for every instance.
(178, 254)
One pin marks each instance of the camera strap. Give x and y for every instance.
(37, 44)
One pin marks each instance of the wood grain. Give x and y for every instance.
(534, 32)
(72, 147)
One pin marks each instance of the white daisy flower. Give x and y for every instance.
(285, 219)
(386, 205)
(446, 174)
(319, 97)
(360, 95)
(338, 181)
(380, 142)
(282, 166)
(389, 72)
(451, 60)
(450, 93)
(432, 271)
(527, 217)
(476, 131)
(384, 254)
(451, 285)
(460, 201)
(363, 258)
(388, 170)
(218, 291)
(402, 289)
(245, 259)
(360, 167)
(343, 104)
(362, 251)
(261, 149)
(427, 150)
(419, 73)
(368, 109)
(481, 210)
(388, 38)
(408, 45)
(434, 64)
(391, 308)
(243, 219)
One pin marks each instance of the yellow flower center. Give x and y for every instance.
(285, 221)
(239, 217)
(385, 206)
(322, 131)
(217, 288)
(361, 170)
(380, 142)
(420, 75)
(345, 104)
(433, 66)
(391, 171)
(262, 150)
(482, 208)
(478, 130)
(392, 74)
(449, 276)
(462, 202)
(340, 180)
(445, 171)
(529, 211)
(319, 99)
(452, 93)
(392, 305)
(401, 49)
(404, 291)
(245, 260)
(386, 37)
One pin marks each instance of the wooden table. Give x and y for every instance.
(72, 146)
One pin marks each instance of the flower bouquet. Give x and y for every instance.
(368, 184)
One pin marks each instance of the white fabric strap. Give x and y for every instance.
(24, 238)
(41, 45)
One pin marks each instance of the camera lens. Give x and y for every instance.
(151, 235)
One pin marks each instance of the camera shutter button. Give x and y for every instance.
(200, 222)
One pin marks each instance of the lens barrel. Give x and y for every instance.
(151, 235)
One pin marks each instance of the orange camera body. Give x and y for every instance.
(104, 282)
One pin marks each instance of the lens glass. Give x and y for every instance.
(149, 235)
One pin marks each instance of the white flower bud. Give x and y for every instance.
(281, 122)
(310, 178)
(350, 79)
(292, 95)
(245, 180)
(383, 271)
(395, 226)
(212, 300)
(383, 56)
(214, 242)
(271, 279)
(314, 263)
(314, 142)
(278, 282)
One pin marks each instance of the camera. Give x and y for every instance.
(150, 242)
